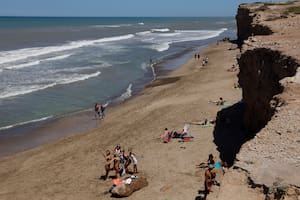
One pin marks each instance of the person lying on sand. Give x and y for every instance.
(205, 122)
(210, 160)
(220, 102)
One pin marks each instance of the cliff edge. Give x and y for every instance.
(269, 38)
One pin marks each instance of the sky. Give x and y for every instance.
(117, 8)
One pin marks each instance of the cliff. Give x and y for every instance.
(269, 38)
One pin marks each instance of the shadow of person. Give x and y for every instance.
(229, 132)
(102, 177)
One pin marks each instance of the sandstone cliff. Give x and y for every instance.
(269, 37)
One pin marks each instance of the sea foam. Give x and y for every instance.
(21, 54)
(127, 94)
(23, 123)
(62, 80)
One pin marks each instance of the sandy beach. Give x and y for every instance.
(70, 168)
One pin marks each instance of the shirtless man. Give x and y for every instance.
(210, 175)
(126, 159)
(116, 162)
(108, 159)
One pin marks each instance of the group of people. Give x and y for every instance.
(99, 111)
(119, 161)
(211, 172)
(204, 60)
(166, 135)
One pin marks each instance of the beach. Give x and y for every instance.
(70, 167)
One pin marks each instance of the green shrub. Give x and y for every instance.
(295, 10)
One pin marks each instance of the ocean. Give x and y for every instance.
(53, 67)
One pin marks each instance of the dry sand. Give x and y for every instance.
(70, 168)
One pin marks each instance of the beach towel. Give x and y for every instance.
(207, 125)
(218, 165)
(182, 136)
(225, 105)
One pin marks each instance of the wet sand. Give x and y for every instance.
(70, 167)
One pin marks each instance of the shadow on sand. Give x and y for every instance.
(229, 132)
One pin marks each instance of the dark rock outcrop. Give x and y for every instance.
(246, 25)
(261, 70)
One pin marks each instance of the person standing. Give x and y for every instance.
(97, 110)
(210, 176)
(134, 161)
(102, 109)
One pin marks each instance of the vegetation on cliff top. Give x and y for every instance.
(295, 10)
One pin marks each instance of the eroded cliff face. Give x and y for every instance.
(269, 37)
(245, 19)
(261, 70)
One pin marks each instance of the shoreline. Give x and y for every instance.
(31, 135)
(135, 124)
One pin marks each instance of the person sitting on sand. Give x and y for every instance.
(134, 161)
(236, 85)
(210, 160)
(108, 159)
(164, 135)
(185, 129)
(210, 176)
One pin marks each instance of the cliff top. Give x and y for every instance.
(283, 19)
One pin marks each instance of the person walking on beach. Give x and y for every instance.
(102, 109)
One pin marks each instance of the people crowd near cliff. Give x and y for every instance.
(119, 162)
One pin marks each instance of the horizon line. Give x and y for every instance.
(105, 16)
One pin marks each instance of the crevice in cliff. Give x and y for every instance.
(260, 73)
